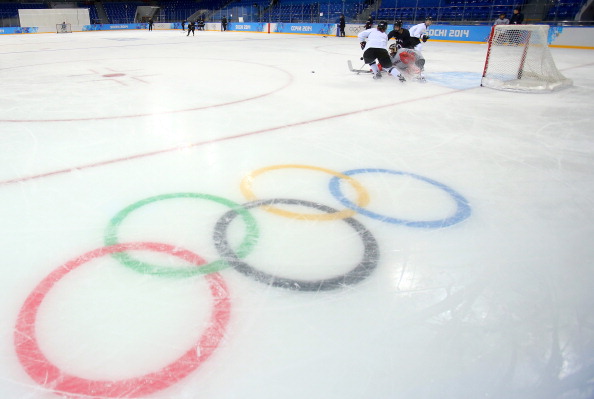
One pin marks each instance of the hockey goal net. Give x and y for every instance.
(63, 28)
(519, 59)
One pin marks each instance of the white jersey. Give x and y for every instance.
(418, 30)
(375, 38)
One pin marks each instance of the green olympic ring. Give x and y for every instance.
(111, 238)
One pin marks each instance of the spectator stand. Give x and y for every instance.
(9, 12)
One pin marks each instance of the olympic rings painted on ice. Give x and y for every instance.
(362, 195)
(111, 237)
(49, 375)
(462, 208)
(357, 274)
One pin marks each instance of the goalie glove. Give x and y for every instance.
(362, 45)
(424, 38)
(406, 57)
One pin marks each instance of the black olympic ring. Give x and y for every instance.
(357, 274)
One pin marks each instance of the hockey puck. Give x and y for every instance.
(313, 71)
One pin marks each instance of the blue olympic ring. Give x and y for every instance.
(462, 207)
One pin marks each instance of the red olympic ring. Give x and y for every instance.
(50, 376)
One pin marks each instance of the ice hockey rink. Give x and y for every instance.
(237, 215)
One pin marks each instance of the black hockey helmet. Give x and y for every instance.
(382, 26)
(398, 24)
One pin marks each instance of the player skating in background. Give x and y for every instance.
(419, 34)
(408, 61)
(373, 43)
(401, 35)
(191, 28)
(341, 26)
(369, 23)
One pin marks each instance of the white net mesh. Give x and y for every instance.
(64, 28)
(519, 59)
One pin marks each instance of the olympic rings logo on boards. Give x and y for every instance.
(48, 375)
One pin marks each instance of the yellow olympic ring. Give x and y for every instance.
(362, 194)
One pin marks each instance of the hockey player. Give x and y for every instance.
(341, 26)
(401, 35)
(369, 23)
(419, 34)
(373, 43)
(191, 28)
(408, 61)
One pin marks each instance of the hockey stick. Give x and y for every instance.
(419, 78)
(357, 71)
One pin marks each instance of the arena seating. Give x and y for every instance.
(121, 12)
(563, 11)
(12, 9)
(327, 11)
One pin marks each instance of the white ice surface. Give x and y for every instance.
(496, 306)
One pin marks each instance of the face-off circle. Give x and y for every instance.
(50, 376)
(360, 272)
(462, 207)
(111, 237)
(122, 91)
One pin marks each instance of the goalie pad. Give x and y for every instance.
(410, 62)
(420, 63)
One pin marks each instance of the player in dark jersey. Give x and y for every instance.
(401, 35)
(191, 28)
